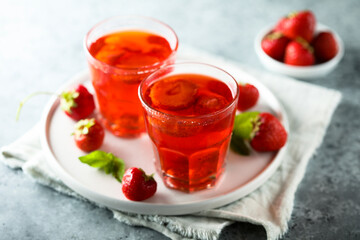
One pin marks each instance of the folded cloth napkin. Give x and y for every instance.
(309, 110)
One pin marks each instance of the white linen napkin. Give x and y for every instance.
(309, 108)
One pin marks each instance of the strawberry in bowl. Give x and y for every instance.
(298, 46)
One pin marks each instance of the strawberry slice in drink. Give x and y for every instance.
(173, 94)
(209, 102)
(174, 164)
(203, 165)
(220, 88)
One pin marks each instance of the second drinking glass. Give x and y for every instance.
(121, 52)
(189, 115)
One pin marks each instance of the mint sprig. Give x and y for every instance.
(107, 162)
(245, 126)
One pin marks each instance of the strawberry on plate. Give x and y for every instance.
(262, 131)
(88, 135)
(298, 24)
(274, 45)
(325, 46)
(138, 186)
(77, 103)
(248, 96)
(270, 135)
(299, 53)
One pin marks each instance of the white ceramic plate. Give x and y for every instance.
(242, 174)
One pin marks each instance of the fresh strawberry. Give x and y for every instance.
(325, 46)
(298, 24)
(138, 186)
(274, 45)
(262, 131)
(280, 24)
(248, 96)
(299, 53)
(88, 135)
(77, 103)
(270, 135)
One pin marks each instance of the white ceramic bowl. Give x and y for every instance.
(306, 72)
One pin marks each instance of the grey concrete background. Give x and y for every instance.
(41, 47)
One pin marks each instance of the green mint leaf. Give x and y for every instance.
(119, 169)
(244, 124)
(239, 145)
(107, 162)
(96, 159)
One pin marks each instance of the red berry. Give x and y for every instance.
(274, 45)
(138, 186)
(88, 135)
(298, 24)
(299, 53)
(325, 46)
(248, 96)
(78, 103)
(270, 136)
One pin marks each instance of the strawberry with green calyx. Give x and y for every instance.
(138, 186)
(298, 24)
(299, 53)
(262, 131)
(77, 103)
(107, 162)
(274, 45)
(88, 135)
(248, 96)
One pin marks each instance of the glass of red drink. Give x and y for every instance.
(121, 52)
(189, 111)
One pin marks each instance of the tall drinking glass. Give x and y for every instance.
(189, 113)
(121, 52)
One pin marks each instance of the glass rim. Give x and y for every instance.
(146, 67)
(201, 116)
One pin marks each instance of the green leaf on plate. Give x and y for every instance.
(107, 162)
(245, 124)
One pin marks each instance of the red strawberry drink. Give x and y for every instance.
(189, 114)
(121, 52)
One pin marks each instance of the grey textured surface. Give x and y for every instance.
(41, 47)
